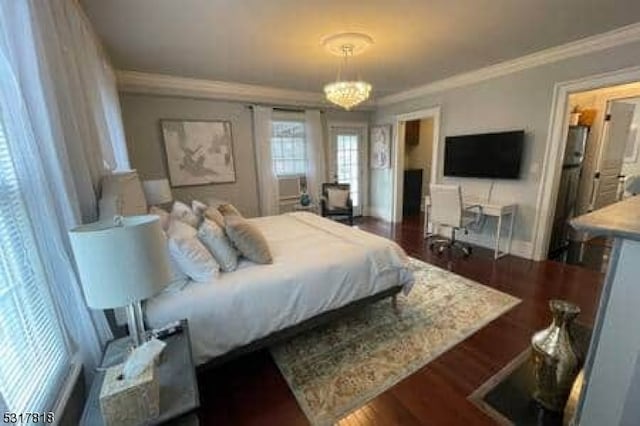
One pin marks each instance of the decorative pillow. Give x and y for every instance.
(214, 238)
(183, 212)
(165, 217)
(337, 198)
(179, 279)
(180, 230)
(228, 210)
(194, 259)
(198, 207)
(248, 239)
(214, 215)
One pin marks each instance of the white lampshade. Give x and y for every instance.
(121, 264)
(157, 191)
(121, 195)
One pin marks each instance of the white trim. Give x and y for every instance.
(551, 166)
(168, 85)
(607, 40)
(64, 396)
(398, 155)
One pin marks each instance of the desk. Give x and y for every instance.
(499, 210)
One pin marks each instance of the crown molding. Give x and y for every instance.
(617, 37)
(168, 85)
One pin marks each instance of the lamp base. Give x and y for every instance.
(135, 323)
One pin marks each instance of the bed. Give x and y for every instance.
(319, 268)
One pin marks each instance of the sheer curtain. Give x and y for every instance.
(267, 180)
(60, 110)
(316, 155)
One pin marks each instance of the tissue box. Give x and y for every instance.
(129, 402)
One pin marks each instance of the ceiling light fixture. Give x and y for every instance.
(344, 92)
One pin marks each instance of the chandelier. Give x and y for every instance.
(344, 92)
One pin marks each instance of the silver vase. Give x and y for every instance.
(554, 358)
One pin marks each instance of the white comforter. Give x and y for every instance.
(318, 265)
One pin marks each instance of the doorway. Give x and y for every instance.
(414, 162)
(348, 151)
(600, 155)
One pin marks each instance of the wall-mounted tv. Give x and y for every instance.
(487, 155)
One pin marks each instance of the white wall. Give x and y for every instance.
(520, 100)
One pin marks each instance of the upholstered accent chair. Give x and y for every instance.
(336, 201)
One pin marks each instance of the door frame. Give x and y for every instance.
(363, 127)
(398, 155)
(556, 141)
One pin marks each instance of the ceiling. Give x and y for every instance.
(278, 42)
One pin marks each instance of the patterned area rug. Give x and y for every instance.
(337, 368)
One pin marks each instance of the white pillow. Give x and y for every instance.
(214, 238)
(194, 259)
(180, 230)
(198, 207)
(165, 217)
(183, 212)
(337, 198)
(179, 279)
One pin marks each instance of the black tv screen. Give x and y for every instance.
(488, 155)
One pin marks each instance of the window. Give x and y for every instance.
(288, 147)
(33, 353)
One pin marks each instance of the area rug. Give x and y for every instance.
(336, 368)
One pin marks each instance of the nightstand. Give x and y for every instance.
(179, 396)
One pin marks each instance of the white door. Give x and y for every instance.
(347, 162)
(616, 134)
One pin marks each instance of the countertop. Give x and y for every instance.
(620, 220)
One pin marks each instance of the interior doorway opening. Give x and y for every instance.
(600, 159)
(414, 162)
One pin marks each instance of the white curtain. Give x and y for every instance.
(267, 180)
(316, 155)
(59, 104)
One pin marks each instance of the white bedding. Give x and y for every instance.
(318, 265)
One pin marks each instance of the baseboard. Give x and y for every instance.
(518, 248)
(377, 212)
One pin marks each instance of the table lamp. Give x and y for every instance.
(157, 191)
(121, 263)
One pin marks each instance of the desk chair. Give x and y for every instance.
(448, 210)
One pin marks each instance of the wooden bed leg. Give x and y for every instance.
(394, 304)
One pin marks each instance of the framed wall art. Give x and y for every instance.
(198, 152)
(381, 147)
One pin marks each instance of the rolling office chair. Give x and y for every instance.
(448, 210)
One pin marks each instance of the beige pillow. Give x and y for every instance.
(214, 215)
(214, 238)
(228, 210)
(248, 239)
(337, 198)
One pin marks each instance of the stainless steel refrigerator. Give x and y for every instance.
(568, 190)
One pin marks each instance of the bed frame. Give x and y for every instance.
(308, 324)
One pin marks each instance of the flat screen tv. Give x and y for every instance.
(487, 155)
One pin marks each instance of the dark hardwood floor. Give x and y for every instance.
(251, 391)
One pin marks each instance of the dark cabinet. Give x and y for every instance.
(412, 193)
(412, 132)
